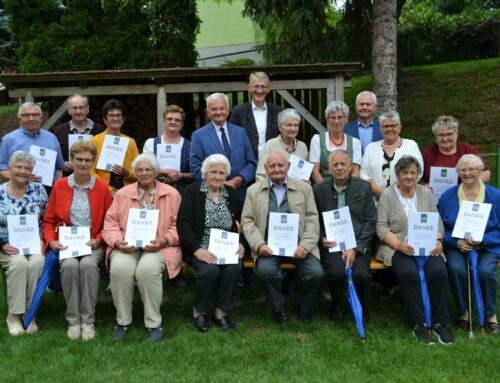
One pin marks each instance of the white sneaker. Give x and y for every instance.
(15, 329)
(73, 331)
(88, 331)
(32, 328)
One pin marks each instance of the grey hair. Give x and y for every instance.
(337, 152)
(260, 75)
(288, 113)
(470, 158)
(406, 162)
(366, 93)
(335, 106)
(445, 122)
(215, 96)
(148, 157)
(390, 114)
(85, 98)
(19, 156)
(215, 159)
(28, 105)
(280, 152)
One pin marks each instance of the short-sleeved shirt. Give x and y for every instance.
(433, 157)
(315, 151)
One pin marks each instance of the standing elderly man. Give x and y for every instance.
(78, 109)
(279, 194)
(365, 127)
(258, 117)
(29, 133)
(219, 136)
(341, 191)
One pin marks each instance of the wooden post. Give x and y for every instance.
(161, 102)
(339, 87)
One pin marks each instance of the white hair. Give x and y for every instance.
(216, 96)
(366, 93)
(28, 105)
(20, 156)
(335, 106)
(260, 75)
(215, 159)
(391, 115)
(288, 113)
(148, 158)
(470, 158)
(85, 99)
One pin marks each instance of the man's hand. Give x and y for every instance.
(349, 256)
(236, 182)
(264, 251)
(300, 252)
(68, 167)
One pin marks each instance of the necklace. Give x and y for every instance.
(391, 146)
(333, 140)
(171, 142)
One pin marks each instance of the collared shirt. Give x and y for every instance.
(88, 127)
(219, 133)
(340, 195)
(79, 212)
(279, 191)
(260, 117)
(142, 203)
(365, 134)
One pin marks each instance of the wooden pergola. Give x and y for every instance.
(285, 80)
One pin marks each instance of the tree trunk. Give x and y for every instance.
(384, 54)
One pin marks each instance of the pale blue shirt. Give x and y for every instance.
(365, 134)
(279, 191)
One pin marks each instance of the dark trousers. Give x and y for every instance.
(487, 274)
(336, 275)
(219, 279)
(436, 276)
(310, 276)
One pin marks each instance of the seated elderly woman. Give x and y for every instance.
(288, 125)
(448, 150)
(322, 144)
(210, 205)
(378, 161)
(395, 204)
(470, 168)
(79, 200)
(145, 264)
(19, 196)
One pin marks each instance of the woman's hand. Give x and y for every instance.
(57, 246)
(10, 250)
(123, 247)
(328, 244)
(438, 249)
(405, 249)
(206, 256)
(464, 246)
(94, 243)
(241, 251)
(120, 171)
(156, 245)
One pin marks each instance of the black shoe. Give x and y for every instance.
(422, 334)
(281, 316)
(493, 327)
(119, 333)
(305, 318)
(224, 323)
(462, 324)
(155, 334)
(443, 334)
(200, 322)
(336, 313)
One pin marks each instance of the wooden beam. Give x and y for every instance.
(161, 103)
(330, 91)
(56, 115)
(339, 87)
(303, 111)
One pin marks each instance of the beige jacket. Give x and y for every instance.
(300, 200)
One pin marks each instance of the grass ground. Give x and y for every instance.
(259, 351)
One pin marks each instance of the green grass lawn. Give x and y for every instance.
(259, 351)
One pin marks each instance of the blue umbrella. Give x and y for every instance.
(50, 261)
(357, 309)
(421, 260)
(478, 298)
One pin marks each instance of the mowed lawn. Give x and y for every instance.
(259, 351)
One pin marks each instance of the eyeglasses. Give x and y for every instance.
(76, 108)
(28, 115)
(391, 126)
(445, 135)
(115, 115)
(172, 119)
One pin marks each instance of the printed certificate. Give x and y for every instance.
(113, 152)
(300, 169)
(141, 227)
(169, 156)
(283, 233)
(24, 233)
(72, 138)
(45, 163)
(338, 228)
(423, 232)
(441, 179)
(75, 239)
(224, 245)
(471, 220)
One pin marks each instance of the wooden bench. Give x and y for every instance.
(248, 263)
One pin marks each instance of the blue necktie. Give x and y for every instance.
(225, 143)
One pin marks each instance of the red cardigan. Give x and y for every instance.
(60, 201)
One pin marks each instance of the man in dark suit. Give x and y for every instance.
(343, 190)
(365, 127)
(258, 118)
(221, 137)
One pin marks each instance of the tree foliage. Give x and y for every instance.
(55, 35)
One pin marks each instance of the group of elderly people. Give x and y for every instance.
(381, 183)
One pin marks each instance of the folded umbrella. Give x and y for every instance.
(476, 288)
(50, 261)
(421, 260)
(357, 309)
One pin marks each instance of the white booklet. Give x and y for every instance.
(72, 138)
(471, 220)
(283, 233)
(141, 227)
(113, 152)
(224, 245)
(338, 228)
(441, 179)
(24, 233)
(45, 163)
(423, 232)
(169, 156)
(75, 238)
(300, 169)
